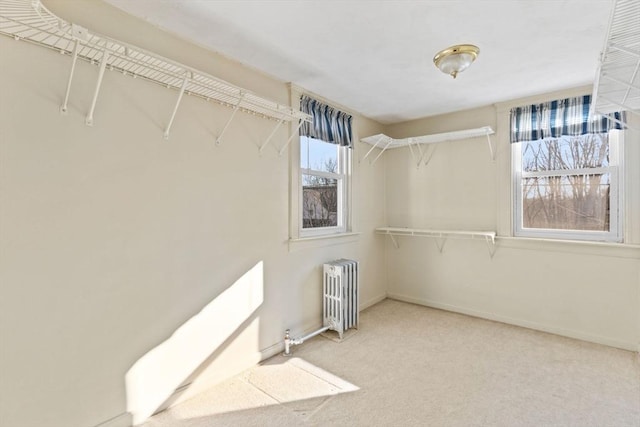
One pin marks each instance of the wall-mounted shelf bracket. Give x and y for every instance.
(103, 65)
(440, 241)
(394, 241)
(175, 108)
(381, 138)
(422, 156)
(293, 134)
(74, 59)
(275, 129)
(441, 236)
(492, 148)
(373, 146)
(491, 245)
(233, 114)
(624, 125)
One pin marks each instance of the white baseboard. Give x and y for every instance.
(625, 345)
(272, 350)
(123, 420)
(372, 301)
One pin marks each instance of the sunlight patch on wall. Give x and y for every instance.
(157, 374)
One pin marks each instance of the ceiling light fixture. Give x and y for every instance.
(455, 59)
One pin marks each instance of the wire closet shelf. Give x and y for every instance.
(31, 21)
(384, 142)
(440, 236)
(617, 84)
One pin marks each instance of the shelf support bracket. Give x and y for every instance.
(382, 151)
(625, 125)
(622, 82)
(394, 241)
(103, 65)
(431, 150)
(625, 50)
(233, 114)
(491, 244)
(374, 146)
(492, 151)
(440, 242)
(623, 107)
(420, 154)
(413, 154)
(74, 59)
(293, 134)
(175, 108)
(262, 147)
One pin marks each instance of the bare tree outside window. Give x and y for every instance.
(322, 184)
(566, 183)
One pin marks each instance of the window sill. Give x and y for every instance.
(611, 249)
(322, 240)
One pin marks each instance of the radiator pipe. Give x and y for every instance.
(288, 341)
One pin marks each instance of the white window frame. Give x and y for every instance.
(343, 181)
(615, 233)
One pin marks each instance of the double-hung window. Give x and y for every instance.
(324, 169)
(567, 169)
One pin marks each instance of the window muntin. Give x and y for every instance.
(567, 187)
(323, 186)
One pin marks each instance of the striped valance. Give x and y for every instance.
(329, 124)
(564, 117)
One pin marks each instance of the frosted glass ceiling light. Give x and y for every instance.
(456, 59)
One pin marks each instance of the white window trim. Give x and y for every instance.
(615, 168)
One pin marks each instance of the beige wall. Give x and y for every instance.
(131, 265)
(585, 291)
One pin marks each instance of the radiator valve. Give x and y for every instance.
(287, 343)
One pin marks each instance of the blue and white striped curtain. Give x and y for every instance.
(329, 124)
(564, 117)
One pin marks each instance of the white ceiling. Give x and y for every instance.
(375, 57)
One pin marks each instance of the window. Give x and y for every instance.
(324, 169)
(566, 172)
(323, 174)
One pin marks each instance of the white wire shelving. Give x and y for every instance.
(415, 144)
(617, 84)
(440, 236)
(30, 21)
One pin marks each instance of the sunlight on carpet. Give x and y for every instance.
(298, 384)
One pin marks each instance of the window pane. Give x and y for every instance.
(318, 155)
(573, 202)
(319, 201)
(566, 152)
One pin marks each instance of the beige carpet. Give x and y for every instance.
(414, 366)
